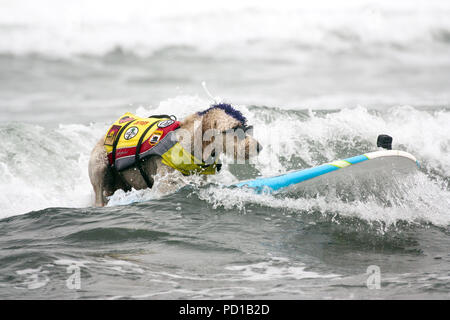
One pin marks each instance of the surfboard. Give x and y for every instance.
(383, 163)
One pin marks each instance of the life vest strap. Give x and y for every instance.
(113, 155)
(137, 155)
(116, 141)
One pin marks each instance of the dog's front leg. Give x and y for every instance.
(98, 173)
(167, 180)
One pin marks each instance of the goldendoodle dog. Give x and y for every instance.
(158, 151)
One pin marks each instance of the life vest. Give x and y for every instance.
(131, 139)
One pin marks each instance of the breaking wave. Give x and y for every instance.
(47, 167)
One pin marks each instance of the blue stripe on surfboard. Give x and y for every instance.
(284, 180)
(357, 159)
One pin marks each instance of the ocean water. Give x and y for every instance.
(319, 81)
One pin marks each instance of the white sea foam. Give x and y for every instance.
(44, 168)
(33, 278)
(275, 268)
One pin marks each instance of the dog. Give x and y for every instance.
(220, 129)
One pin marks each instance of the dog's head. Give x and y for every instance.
(222, 129)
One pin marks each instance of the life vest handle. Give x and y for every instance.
(164, 116)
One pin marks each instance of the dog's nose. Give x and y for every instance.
(259, 147)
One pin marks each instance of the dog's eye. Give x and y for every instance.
(239, 126)
(241, 134)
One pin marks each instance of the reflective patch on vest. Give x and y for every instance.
(111, 135)
(131, 133)
(126, 119)
(165, 123)
(154, 138)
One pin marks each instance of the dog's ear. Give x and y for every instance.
(210, 123)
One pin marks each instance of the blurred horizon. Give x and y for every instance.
(102, 57)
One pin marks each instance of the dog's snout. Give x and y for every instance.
(259, 147)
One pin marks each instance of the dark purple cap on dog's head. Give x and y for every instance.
(228, 110)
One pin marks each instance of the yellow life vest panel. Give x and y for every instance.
(131, 139)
